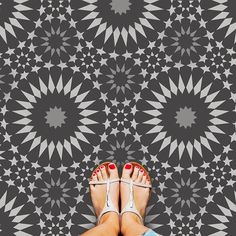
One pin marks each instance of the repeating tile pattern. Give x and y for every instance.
(86, 81)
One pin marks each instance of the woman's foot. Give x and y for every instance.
(141, 195)
(98, 192)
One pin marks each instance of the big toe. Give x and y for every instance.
(113, 171)
(127, 170)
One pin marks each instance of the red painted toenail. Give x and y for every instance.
(128, 166)
(141, 170)
(102, 167)
(97, 170)
(112, 166)
(94, 174)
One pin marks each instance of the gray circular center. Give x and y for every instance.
(185, 117)
(55, 117)
(120, 6)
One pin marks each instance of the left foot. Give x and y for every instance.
(98, 191)
(140, 195)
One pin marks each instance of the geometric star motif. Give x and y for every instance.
(79, 126)
(6, 79)
(223, 211)
(186, 226)
(83, 82)
(22, 60)
(12, 14)
(14, 214)
(51, 9)
(127, 21)
(225, 17)
(219, 60)
(184, 193)
(55, 225)
(88, 217)
(120, 78)
(152, 59)
(185, 41)
(160, 123)
(88, 59)
(190, 9)
(218, 174)
(153, 217)
(20, 174)
(55, 192)
(120, 149)
(55, 41)
(120, 117)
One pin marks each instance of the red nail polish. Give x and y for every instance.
(94, 174)
(112, 166)
(97, 170)
(141, 170)
(128, 166)
(102, 167)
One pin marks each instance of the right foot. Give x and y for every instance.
(141, 195)
(98, 192)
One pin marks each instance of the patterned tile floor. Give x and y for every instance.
(83, 81)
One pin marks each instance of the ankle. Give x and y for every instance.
(128, 220)
(111, 219)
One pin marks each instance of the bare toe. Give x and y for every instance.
(140, 175)
(113, 171)
(99, 174)
(144, 179)
(104, 172)
(135, 173)
(94, 177)
(127, 170)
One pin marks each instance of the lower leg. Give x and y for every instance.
(109, 222)
(131, 225)
(109, 225)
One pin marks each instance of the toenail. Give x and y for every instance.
(97, 170)
(141, 170)
(102, 167)
(128, 166)
(112, 166)
(94, 174)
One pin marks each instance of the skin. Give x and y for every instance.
(110, 224)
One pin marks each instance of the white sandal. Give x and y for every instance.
(130, 206)
(109, 206)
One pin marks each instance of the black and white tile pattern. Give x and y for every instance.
(86, 81)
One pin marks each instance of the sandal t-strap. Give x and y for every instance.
(130, 206)
(109, 206)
